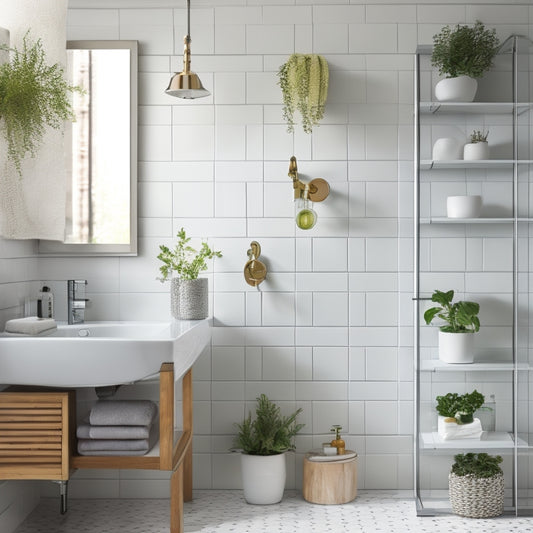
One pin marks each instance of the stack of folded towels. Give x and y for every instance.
(119, 427)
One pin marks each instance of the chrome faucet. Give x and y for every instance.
(76, 300)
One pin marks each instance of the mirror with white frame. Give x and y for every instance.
(101, 159)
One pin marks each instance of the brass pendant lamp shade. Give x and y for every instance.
(186, 84)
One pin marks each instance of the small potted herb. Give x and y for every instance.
(478, 147)
(183, 264)
(455, 339)
(476, 485)
(462, 54)
(263, 442)
(456, 410)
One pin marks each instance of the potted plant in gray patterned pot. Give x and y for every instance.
(183, 264)
(476, 485)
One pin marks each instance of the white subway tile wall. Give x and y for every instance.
(329, 330)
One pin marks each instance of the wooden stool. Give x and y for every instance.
(330, 482)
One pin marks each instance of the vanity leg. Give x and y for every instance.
(176, 500)
(63, 495)
(187, 426)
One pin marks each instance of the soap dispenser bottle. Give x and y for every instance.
(338, 442)
(45, 303)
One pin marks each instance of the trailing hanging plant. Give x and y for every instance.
(304, 83)
(33, 95)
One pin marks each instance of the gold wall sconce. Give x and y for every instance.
(254, 271)
(304, 195)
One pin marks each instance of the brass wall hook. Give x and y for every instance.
(318, 187)
(254, 270)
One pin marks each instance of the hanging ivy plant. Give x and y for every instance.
(33, 95)
(304, 83)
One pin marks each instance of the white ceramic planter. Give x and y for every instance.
(456, 348)
(446, 149)
(463, 206)
(459, 89)
(476, 151)
(193, 299)
(263, 478)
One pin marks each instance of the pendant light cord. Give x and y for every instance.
(189, 18)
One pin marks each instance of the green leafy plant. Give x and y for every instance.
(477, 465)
(453, 403)
(461, 316)
(304, 82)
(269, 433)
(33, 96)
(478, 136)
(464, 50)
(183, 259)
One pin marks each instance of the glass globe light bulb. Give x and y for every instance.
(305, 216)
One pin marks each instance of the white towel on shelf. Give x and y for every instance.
(123, 413)
(30, 325)
(88, 431)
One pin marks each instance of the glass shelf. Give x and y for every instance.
(436, 365)
(490, 108)
(432, 164)
(480, 220)
(489, 440)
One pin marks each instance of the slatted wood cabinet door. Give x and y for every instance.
(35, 429)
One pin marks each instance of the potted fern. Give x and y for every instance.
(456, 415)
(183, 264)
(304, 82)
(476, 485)
(478, 147)
(456, 340)
(263, 442)
(462, 54)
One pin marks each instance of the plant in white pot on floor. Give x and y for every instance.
(478, 147)
(183, 264)
(263, 442)
(456, 339)
(476, 485)
(462, 54)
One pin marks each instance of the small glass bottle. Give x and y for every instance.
(45, 303)
(305, 215)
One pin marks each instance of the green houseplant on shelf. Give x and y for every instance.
(456, 415)
(33, 97)
(263, 442)
(304, 80)
(462, 54)
(183, 264)
(476, 485)
(456, 340)
(478, 147)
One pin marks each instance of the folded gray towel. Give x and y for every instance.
(119, 446)
(123, 413)
(87, 431)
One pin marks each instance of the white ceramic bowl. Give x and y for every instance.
(463, 206)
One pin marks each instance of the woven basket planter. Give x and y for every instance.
(476, 497)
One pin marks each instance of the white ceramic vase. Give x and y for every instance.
(263, 478)
(456, 348)
(476, 151)
(463, 206)
(459, 89)
(446, 149)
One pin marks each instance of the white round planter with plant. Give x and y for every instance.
(462, 54)
(476, 485)
(478, 147)
(183, 264)
(263, 442)
(456, 339)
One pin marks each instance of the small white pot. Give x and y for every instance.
(463, 206)
(263, 478)
(446, 149)
(476, 151)
(456, 348)
(459, 89)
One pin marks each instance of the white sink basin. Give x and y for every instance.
(96, 354)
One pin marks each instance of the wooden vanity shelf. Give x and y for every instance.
(175, 454)
(35, 434)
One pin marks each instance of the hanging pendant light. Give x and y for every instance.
(187, 84)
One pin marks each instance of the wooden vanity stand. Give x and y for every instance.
(175, 447)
